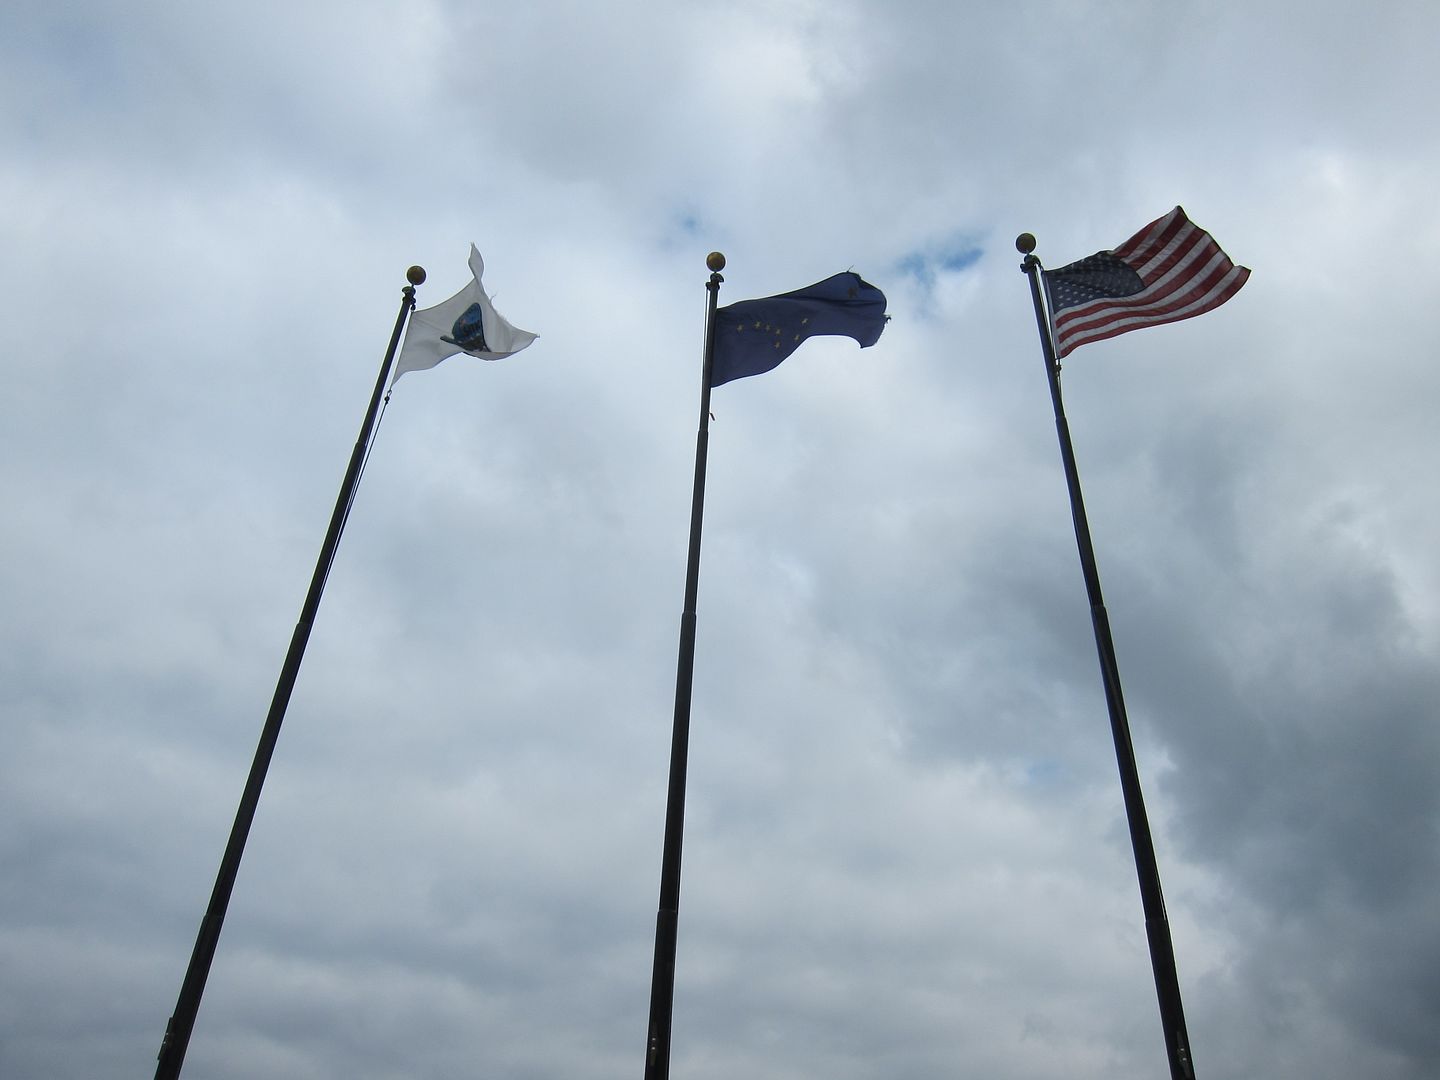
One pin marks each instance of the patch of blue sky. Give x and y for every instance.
(951, 256)
(682, 228)
(1044, 772)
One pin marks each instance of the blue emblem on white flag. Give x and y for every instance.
(469, 330)
(467, 323)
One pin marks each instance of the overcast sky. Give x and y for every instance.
(906, 853)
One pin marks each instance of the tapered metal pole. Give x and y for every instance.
(182, 1022)
(662, 978)
(1157, 924)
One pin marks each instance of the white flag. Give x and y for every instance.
(467, 323)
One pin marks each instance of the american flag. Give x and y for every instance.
(1170, 270)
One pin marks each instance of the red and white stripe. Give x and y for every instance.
(1185, 274)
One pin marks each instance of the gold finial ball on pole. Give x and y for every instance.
(1025, 243)
(715, 261)
(415, 275)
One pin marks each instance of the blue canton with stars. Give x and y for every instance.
(1098, 277)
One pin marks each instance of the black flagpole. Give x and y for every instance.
(662, 978)
(1157, 925)
(182, 1022)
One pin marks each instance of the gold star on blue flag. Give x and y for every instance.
(754, 336)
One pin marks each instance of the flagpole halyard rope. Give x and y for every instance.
(369, 449)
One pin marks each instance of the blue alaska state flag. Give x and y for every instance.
(754, 336)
